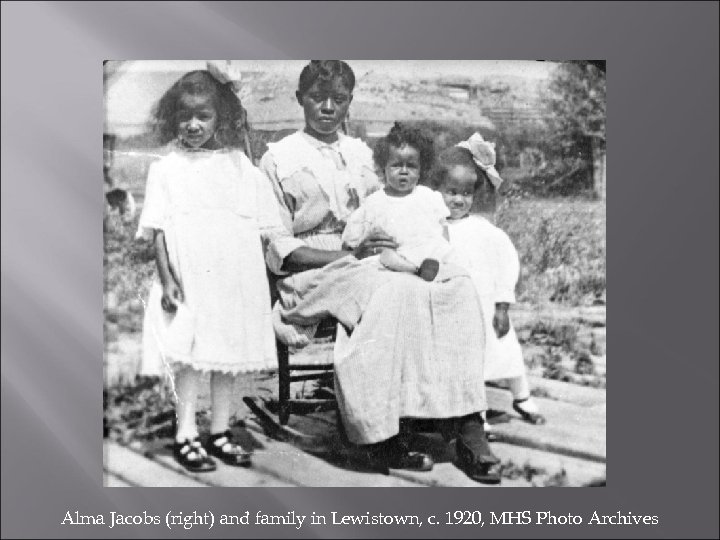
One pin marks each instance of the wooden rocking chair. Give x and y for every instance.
(310, 371)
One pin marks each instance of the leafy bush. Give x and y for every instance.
(561, 244)
(128, 266)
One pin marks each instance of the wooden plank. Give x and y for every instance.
(318, 434)
(314, 435)
(320, 429)
(224, 476)
(134, 468)
(573, 439)
(523, 467)
(330, 469)
(583, 396)
(110, 480)
(448, 475)
(570, 430)
(526, 315)
(558, 469)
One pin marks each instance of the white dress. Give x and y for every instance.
(492, 260)
(213, 207)
(416, 222)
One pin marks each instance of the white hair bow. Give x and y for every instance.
(225, 71)
(483, 153)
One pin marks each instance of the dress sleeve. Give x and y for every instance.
(155, 205)
(280, 242)
(355, 229)
(438, 207)
(269, 220)
(508, 268)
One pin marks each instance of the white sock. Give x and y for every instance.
(520, 389)
(486, 424)
(221, 387)
(529, 405)
(187, 381)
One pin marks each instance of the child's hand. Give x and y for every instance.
(501, 321)
(172, 295)
(374, 244)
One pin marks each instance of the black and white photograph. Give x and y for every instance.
(384, 270)
(354, 273)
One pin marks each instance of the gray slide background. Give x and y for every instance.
(662, 237)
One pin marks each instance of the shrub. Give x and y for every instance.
(561, 244)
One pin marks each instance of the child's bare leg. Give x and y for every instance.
(187, 381)
(392, 260)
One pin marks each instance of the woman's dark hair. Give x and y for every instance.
(401, 135)
(452, 157)
(231, 116)
(325, 70)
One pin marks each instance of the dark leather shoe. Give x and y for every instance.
(191, 455)
(224, 447)
(392, 454)
(481, 467)
(474, 456)
(411, 461)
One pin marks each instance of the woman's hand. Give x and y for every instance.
(172, 295)
(374, 244)
(501, 321)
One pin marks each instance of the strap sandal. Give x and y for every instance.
(429, 269)
(192, 456)
(530, 417)
(224, 447)
(480, 465)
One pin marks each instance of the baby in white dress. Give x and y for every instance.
(413, 216)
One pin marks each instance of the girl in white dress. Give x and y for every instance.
(488, 254)
(207, 209)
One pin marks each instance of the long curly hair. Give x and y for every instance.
(231, 116)
(401, 135)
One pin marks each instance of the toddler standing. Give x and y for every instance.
(488, 254)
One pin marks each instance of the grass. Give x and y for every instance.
(128, 266)
(561, 243)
